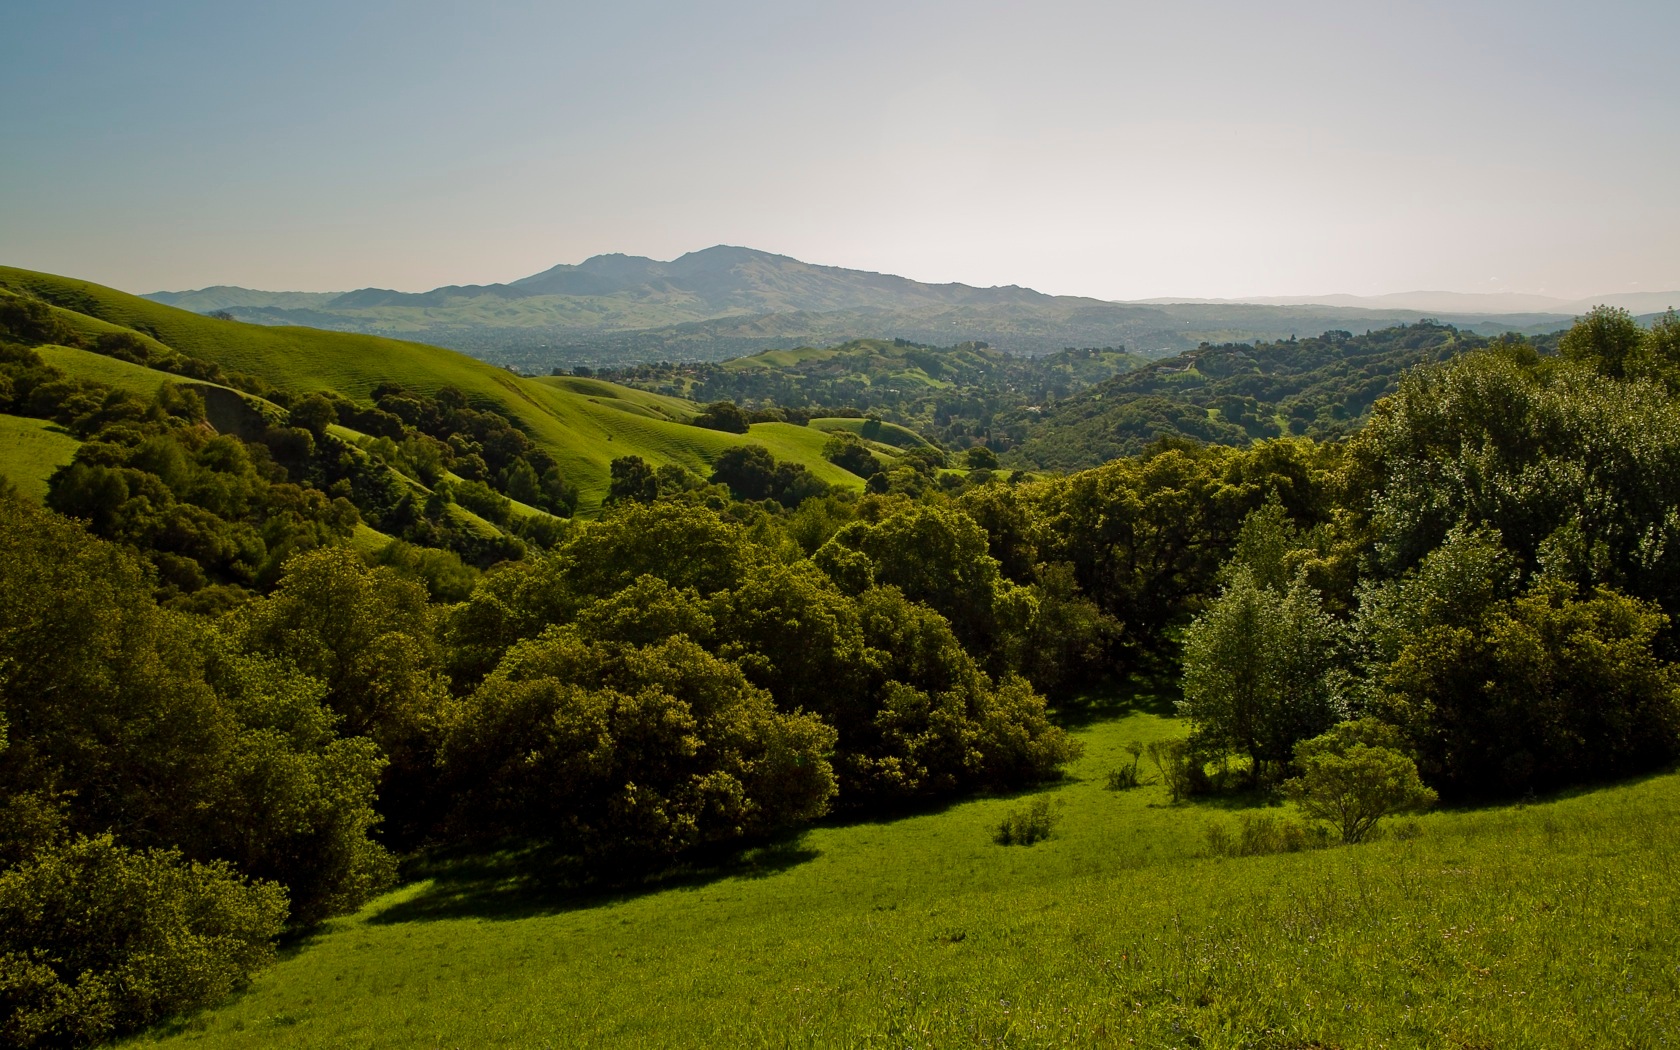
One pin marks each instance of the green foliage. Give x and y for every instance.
(1578, 475)
(1541, 691)
(1259, 834)
(1023, 827)
(172, 739)
(1607, 339)
(723, 415)
(1126, 776)
(97, 940)
(845, 451)
(752, 473)
(1235, 394)
(630, 752)
(1260, 672)
(632, 481)
(1351, 780)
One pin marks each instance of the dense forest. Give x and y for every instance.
(220, 721)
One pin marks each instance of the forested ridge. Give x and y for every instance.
(223, 721)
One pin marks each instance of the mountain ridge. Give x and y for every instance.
(727, 300)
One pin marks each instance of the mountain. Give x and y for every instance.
(728, 301)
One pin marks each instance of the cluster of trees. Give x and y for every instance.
(1492, 589)
(669, 678)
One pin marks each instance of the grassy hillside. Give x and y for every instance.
(30, 450)
(1540, 925)
(585, 424)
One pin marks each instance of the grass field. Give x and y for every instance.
(1552, 924)
(30, 450)
(584, 423)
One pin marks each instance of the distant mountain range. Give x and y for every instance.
(1494, 303)
(726, 301)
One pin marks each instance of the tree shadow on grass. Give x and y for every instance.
(524, 882)
(1154, 693)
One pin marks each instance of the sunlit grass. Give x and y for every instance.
(31, 450)
(1545, 925)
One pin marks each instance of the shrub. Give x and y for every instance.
(1353, 784)
(1262, 833)
(1173, 762)
(630, 753)
(1025, 827)
(1127, 776)
(97, 940)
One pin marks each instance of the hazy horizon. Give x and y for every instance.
(1120, 152)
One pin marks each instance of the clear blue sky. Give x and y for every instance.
(1121, 150)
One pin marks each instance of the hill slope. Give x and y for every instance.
(583, 426)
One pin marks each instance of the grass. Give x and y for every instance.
(584, 423)
(30, 450)
(1544, 925)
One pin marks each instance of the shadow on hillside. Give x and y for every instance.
(1152, 693)
(519, 884)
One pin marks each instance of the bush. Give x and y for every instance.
(630, 753)
(1173, 762)
(97, 940)
(1127, 776)
(1353, 784)
(1262, 833)
(1025, 827)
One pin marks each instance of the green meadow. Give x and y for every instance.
(1548, 924)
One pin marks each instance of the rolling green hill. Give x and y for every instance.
(584, 424)
(30, 450)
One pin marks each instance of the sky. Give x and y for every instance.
(1113, 149)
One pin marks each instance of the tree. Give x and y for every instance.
(633, 481)
(723, 415)
(845, 451)
(1259, 672)
(97, 940)
(1352, 783)
(1537, 693)
(1607, 338)
(314, 413)
(748, 470)
(630, 752)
